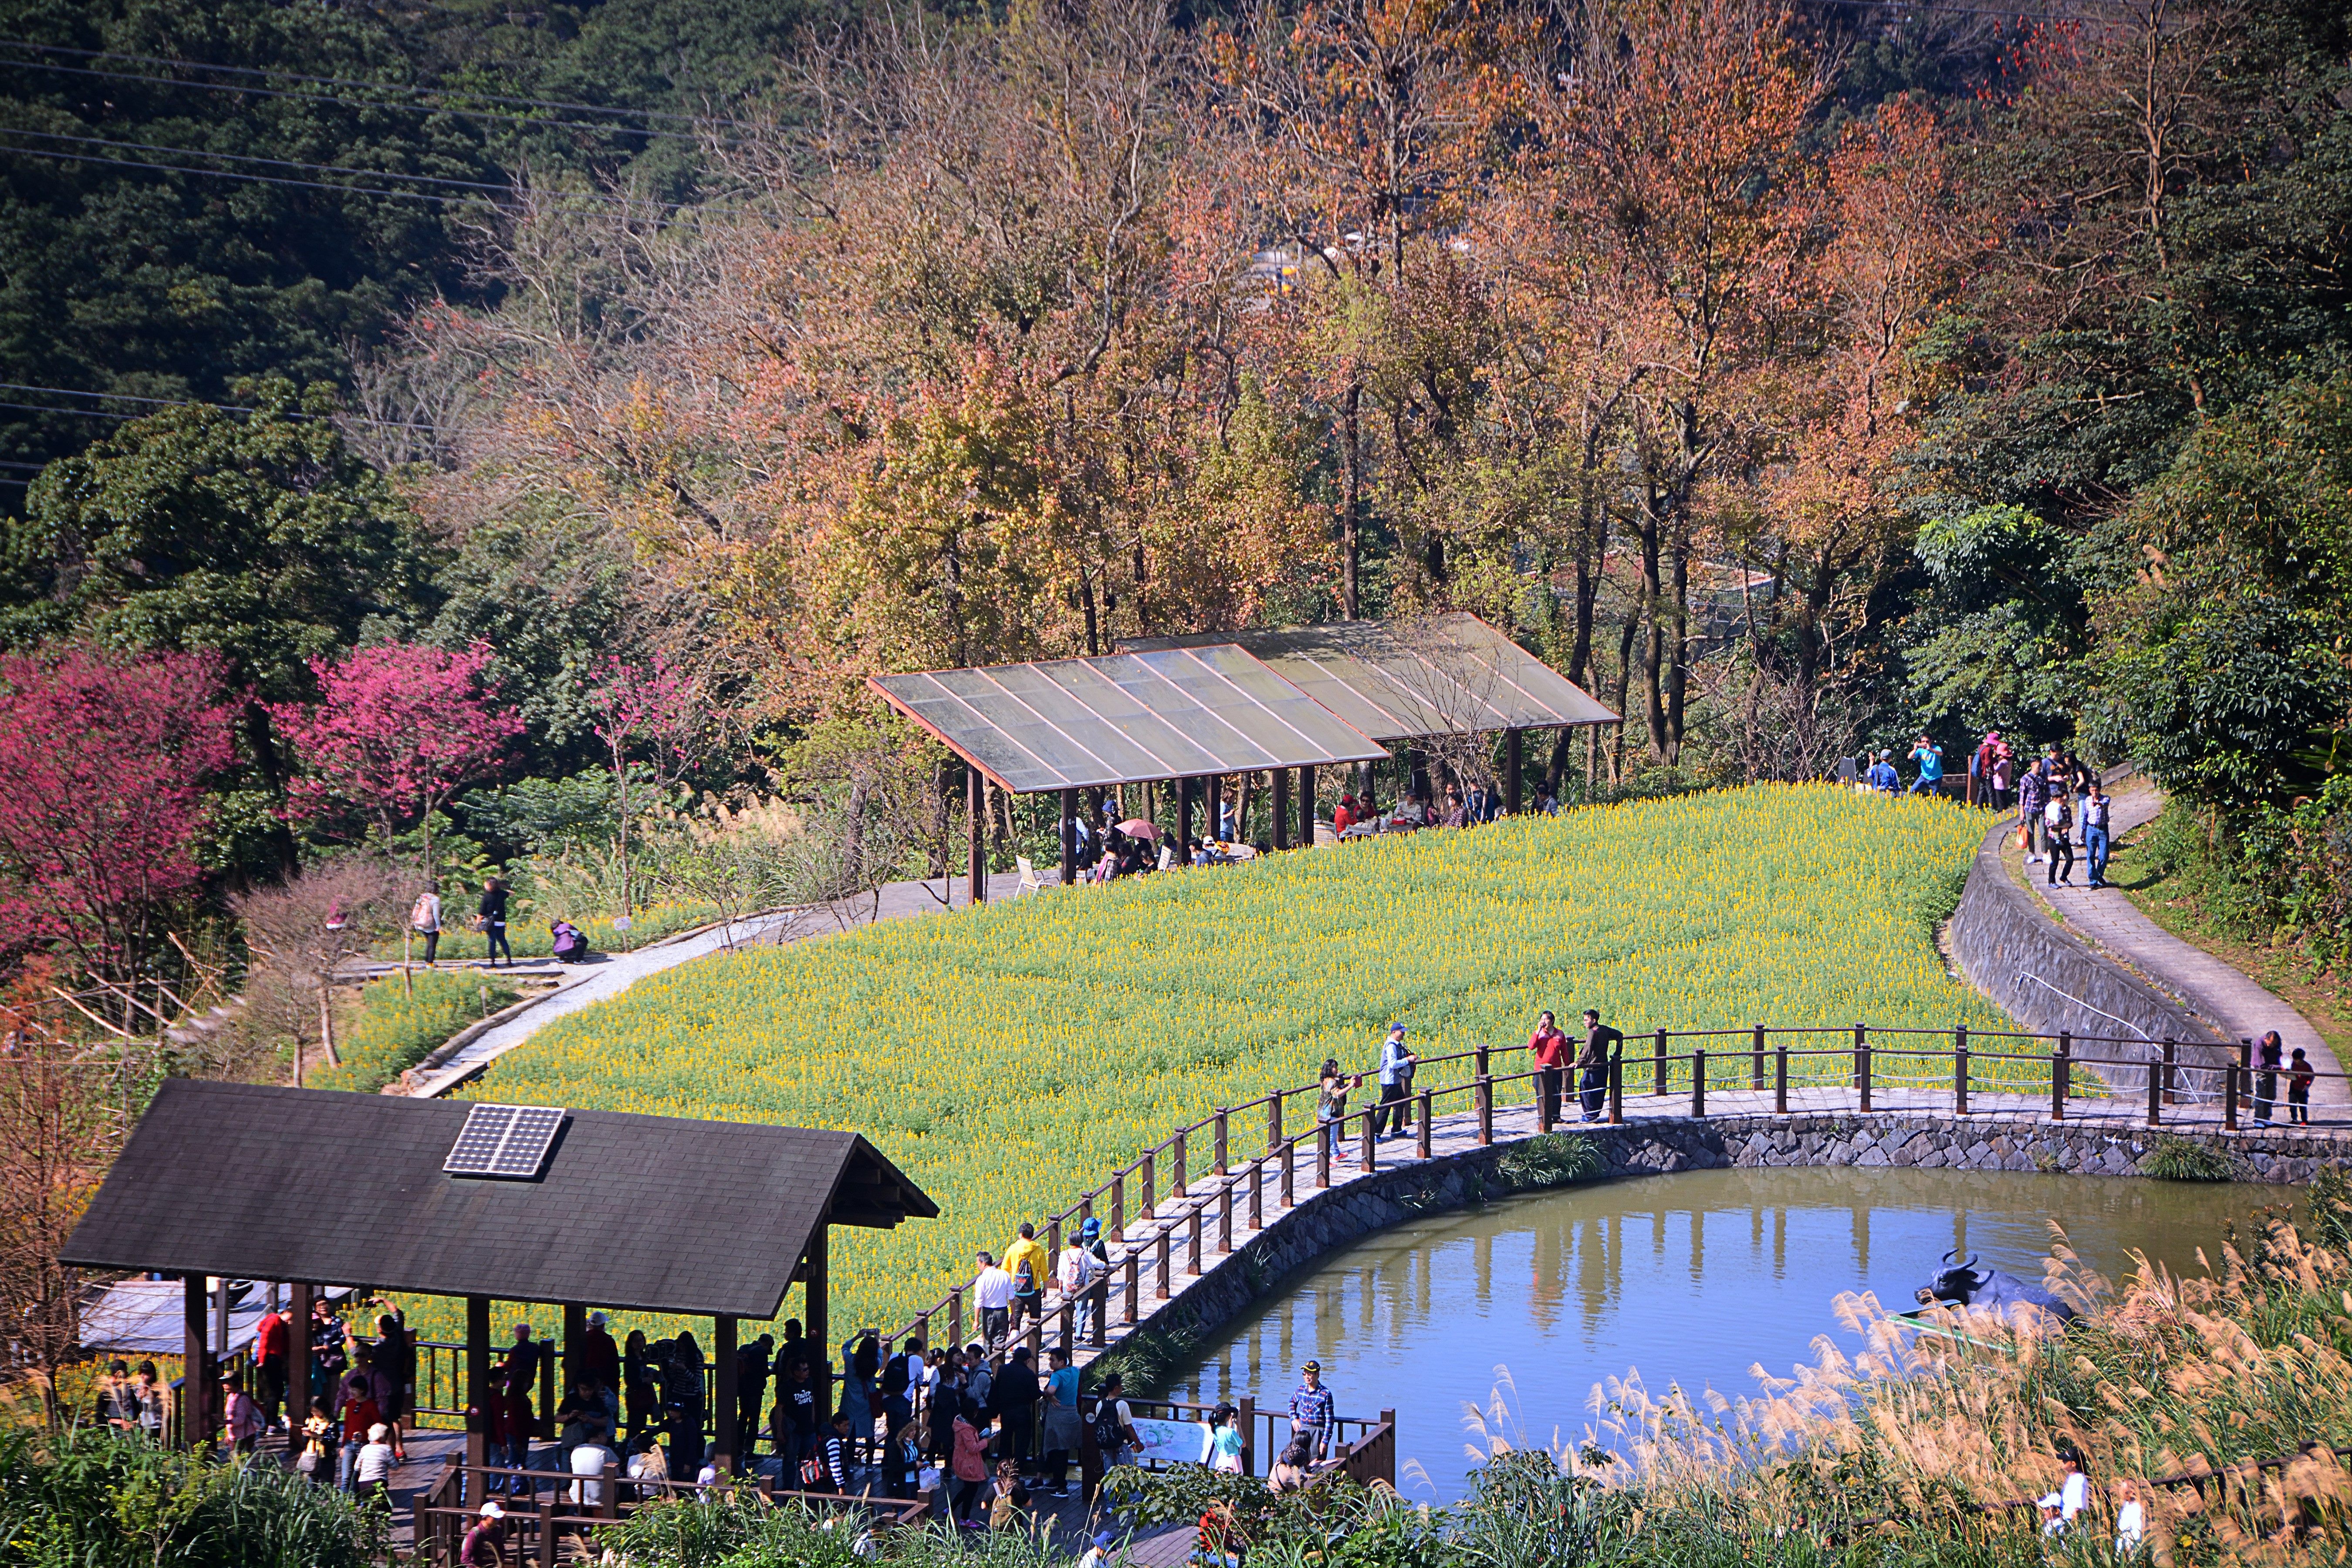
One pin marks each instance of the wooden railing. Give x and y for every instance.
(1180, 1199)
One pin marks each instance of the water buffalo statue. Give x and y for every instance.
(1995, 1290)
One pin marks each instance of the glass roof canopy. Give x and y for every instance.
(1133, 717)
(1449, 674)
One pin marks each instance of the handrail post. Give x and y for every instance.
(1273, 1121)
(1225, 1218)
(1421, 1125)
(1780, 1081)
(2155, 1093)
(2171, 1072)
(1192, 1246)
(1322, 1155)
(1159, 1286)
(1180, 1183)
(1698, 1081)
(1543, 1102)
(1245, 1417)
(1862, 1067)
(1118, 1204)
(1486, 1096)
(1289, 1164)
(1366, 1152)
(1756, 1061)
(2230, 1097)
(1134, 1285)
(1257, 1194)
(1658, 1055)
(1960, 1075)
(1479, 1052)
(1221, 1143)
(1150, 1172)
(955, 1315)
(1616, 1090)
(2060, 1061)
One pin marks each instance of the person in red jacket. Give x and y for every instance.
(1549, 1050)
(269, 1341)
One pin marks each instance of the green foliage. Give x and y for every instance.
(743, 1531)
(545, 815)
(2172, 1159)
(1549, 1160)
(92, 1499)
(1996, 636)
(397, 1029)
(2329, 1197)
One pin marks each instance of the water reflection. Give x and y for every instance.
(1691, 1280)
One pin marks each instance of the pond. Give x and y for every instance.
(1690, 1280)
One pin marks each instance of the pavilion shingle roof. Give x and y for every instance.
(647, 1213)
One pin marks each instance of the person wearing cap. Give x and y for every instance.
(1396, 1067)
(485, 1542)
(1074, 1273)
(599, 1360)
(372, 1473)
(1312, 1414)
(1882, 776)
(1099, 1550)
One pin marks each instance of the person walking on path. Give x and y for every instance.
(1548, 1049)
(1076, 1272)
(1592, 1064)
(2058, 817)
(1397, 1063)
(1313, 1416)
(2298, 1089)
(2094, 814)
(2268, 1052)
(1331, 1087)
(492, 912)
(2032, 797)
(1026, 1261)
(270, 1336)
(1062, 1434)
(1929, 756)
(992, 1292)
(424, 919)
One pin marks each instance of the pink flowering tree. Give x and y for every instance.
(652, 715)
(103, 767)
(397, 731)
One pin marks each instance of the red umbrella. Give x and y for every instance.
(1135, 827)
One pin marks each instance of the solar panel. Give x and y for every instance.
(510, 1140)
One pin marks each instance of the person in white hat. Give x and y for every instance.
(374, 1469)
(484, 1542)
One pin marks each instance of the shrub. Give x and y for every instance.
(1550, 1160)
(397, 1030)
(2171, 1159)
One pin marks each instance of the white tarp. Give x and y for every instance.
(142, 1317)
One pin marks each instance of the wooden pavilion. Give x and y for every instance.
(568, 1208)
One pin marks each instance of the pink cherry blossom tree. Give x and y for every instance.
(102, 766)
(398, 730)
(654, 715)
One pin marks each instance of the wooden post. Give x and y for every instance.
(1185, 821)
(1479, 1061)
(1322, 1155)
(1225, 1218)
(1181, 1183)
(1862, 1065)
(1289, 1164)
(2155, 1094)
(1514, 764)
(1543, 1106)
(1756, 1062)
(1222, 1169)
(975, 801)
(1257, 1195)
(1192, 1244)
(547, 1394)
(728, 1447)
(1274, 1123)
(955, 1319)
(1421, 1128)
(1485, 1099)
(478, 1384)
(1616, 1089)
(199, 1377)
(575, 1334)
(1960, 1075)
(1282, 808)
(1699, 1081)
(298, 1367)
(547, 1532)
(1658, 1057)
(816, 1305)
(1070, 838)
(2171, 1072)
(1780, 1081)
(1118, 1205)
(1213, 806)
(1162, 1290)
(1245, 1414)
(2230, 1097)
(1366, 1147)
(1306, 808)
(2060, 1061)
(1151, 1204)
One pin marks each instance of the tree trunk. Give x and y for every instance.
(1653, 645)
(1678, 656)
(1352, 487)
(262, 740)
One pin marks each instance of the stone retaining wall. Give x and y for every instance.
(2050, 980)
(1323, 1222)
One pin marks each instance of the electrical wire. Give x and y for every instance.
(373, 86)
(174, 403)
(529, 120)
(270, 162)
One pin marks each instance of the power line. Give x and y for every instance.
(176, 403)
(272, 162)
(375, 86)
(529, 119)
(349, 190)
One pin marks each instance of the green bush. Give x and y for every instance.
(2172, 1159)
(1549, 1160)
(745, 1531)
(90, 1498)
(397, 1030)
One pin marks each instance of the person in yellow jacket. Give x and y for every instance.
(1026, 1261)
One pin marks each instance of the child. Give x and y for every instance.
(2299, 1074)
(1225, 1441)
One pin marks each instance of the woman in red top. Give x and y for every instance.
(1345, 817)
(1549, 1047)
(359, 1412)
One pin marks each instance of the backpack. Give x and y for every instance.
(894, 1375)
(1108, 1436)
(2055, 812)
(419, 912)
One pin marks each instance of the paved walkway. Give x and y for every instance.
(2232, 1004)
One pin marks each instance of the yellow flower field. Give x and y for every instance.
(1006, 1058)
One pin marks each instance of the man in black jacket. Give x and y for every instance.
(1601, 1044)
